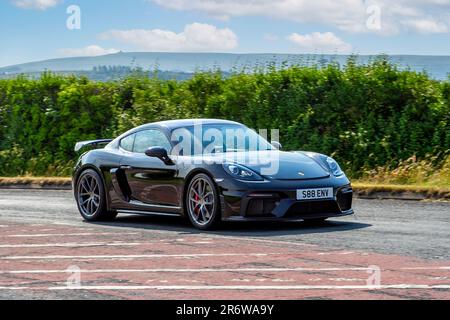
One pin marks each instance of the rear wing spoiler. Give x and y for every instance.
(83, 144)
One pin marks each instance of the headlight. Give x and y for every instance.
(241, 172)
(334, 167)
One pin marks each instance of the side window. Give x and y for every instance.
(127, 143)
(150, 138)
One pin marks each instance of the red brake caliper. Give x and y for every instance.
(197, 207)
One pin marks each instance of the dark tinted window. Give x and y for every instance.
(150, 138)
(127, 143)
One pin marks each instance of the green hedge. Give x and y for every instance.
(364, 116)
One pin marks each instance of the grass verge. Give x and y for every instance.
(401, 191)
(34, 181)
(362, 188)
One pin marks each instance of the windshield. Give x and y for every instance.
(209, 139)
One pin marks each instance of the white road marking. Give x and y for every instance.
(241, 287)
(70, 245)
(263, 240)
(15, 288)
(140, 256)
(209, 270)
(206, 238)
(427, 268)
(438, 278)
(65, 234)
(298, 287)
(240, 280)
(335, 253)
(237, 238)
(346, 279)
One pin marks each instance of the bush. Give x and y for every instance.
(366, 116)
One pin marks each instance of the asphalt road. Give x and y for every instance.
(42, 234)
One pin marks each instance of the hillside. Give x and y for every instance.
(438, 67)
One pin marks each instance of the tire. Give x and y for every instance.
(91, 197)
(202, 203)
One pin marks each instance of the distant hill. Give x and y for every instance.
(187, 63)
(111, 73)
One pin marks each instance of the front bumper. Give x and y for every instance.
(262, 205)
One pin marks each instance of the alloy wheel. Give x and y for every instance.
(89, 195)
(201, 202)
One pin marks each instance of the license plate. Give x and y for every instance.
(314, 194)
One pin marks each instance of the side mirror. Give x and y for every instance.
(276, 145)
(161, 154)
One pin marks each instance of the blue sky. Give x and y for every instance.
(37, 29)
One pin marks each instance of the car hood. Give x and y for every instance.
(277, 165)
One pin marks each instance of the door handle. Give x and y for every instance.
(126, 167)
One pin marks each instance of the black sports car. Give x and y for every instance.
(209, 171)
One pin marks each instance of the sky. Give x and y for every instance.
(32, 30)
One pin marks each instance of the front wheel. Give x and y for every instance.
(91, 197)
(202, 202)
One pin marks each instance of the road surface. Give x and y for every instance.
(388, 250)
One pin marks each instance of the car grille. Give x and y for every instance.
(345, 201)
(261, 207)
(312, 207)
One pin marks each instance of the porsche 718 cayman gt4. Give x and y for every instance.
(209, 171)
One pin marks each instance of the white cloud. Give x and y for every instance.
(297, 10)
(89, 51)
(196, 37)
(346, 15)
(36, 4)
(425, 26)
(317, 42)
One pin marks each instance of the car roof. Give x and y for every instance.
(175, 124)
(170, 126)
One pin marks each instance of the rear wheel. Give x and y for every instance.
(202, 202)
(91, 197)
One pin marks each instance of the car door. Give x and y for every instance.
(152, 183)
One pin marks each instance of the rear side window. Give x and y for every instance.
(127, 143)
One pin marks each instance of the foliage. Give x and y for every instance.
(366, 116)
(430, 172)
